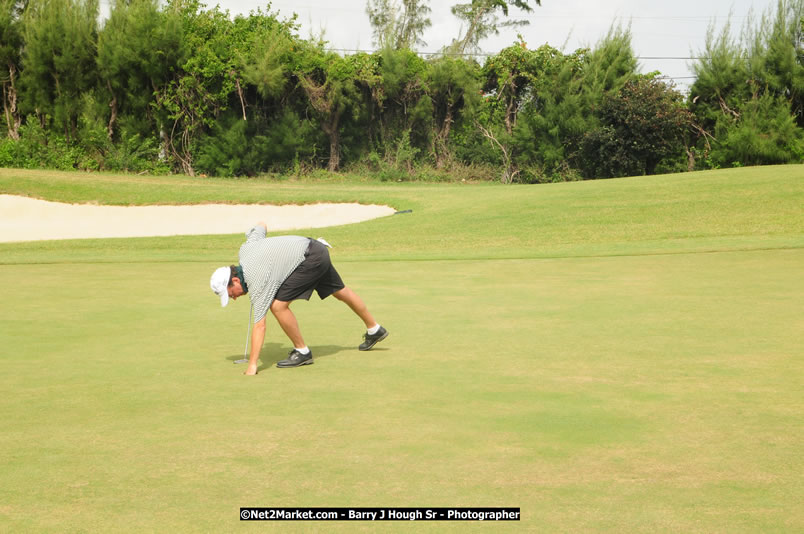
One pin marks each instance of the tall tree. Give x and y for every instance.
(481, 18)
(764, 133)
(641, 125)
(200, 88)
(513, 74)
(139, 48)
(268, 52)
(776, 55)
(454, 89)
(402, 100)
(747, 90)
(553, 120)
(564, 105)
(328, 80)
(610, 66)
(59, 58)
(10, 51)
(512, 79)
(398, 24)
(721, 74)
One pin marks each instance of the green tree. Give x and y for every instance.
(739, 81)
(644, 123)
(328, 81)
(776, 56)
(512, 79)
(764, 133)
(453, 86)
(139, 48)
(720, 78)
(512, 76)
(59, 59)
(720, 86)
(201, 87)
(609, 66)
(261, 49)
(565, 106)
(10, 58)
(234, 147)
(401, 104)
(553, 120)
(269, 61)
(480, 18)
(286, 130)
(399, 24)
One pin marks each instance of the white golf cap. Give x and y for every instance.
(219, 284)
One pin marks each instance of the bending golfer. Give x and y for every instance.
(274, 271)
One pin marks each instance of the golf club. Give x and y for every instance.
(248, 333)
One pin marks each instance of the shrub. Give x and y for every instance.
(641, 125)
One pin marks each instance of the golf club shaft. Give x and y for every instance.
(248, 335)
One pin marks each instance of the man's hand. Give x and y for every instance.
(252, 370)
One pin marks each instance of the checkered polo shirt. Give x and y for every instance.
(267, 262)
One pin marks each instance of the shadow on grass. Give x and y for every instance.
(273, 352)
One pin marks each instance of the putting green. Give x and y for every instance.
(612, 392)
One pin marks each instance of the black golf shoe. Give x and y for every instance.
(372, 339)
(295, 359)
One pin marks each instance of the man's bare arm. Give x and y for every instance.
(257, 338)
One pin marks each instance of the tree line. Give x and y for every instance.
(181, 87)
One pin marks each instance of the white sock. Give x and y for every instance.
(303, 350)
(373, 330)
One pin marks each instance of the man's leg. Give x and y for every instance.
(288, 322)
(356, 304)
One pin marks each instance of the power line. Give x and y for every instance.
(671, 57)
(662, 77)
(679, 18)
(536, 14)
(486, 54)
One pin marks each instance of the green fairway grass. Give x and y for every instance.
(610, 356)
(738, 209)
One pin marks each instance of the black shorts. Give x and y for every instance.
(315, 272)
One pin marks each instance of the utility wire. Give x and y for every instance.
(493, 53)
(487, 54)
(518, 14)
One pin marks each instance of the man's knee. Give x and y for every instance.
(278, 306)
(341, 293)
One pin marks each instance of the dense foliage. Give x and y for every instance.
(179, 87)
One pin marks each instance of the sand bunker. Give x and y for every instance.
(28, 219)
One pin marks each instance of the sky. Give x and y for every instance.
(660, 29)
